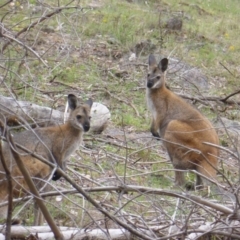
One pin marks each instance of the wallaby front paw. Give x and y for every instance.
(155, 134)
(190, 186)
(56, 176)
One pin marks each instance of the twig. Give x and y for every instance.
(230, 95)
(66, 85)
(222, 148)
(227, 69)
(10, 188)
(216, 99)
(43, 18)
(209, 98)
(6, 3)
(109, 142)
(12, 39)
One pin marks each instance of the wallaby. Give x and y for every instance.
(182, 128)
(55, 143)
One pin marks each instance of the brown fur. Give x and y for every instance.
(182, 127)
(55, 144)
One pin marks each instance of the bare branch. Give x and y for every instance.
(12, 39)
(214, 99)
(6, 3)
(10, 187)
(43, 18)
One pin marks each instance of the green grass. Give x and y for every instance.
(113, 19)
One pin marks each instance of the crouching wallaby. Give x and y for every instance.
(55, 144)
(182, 128)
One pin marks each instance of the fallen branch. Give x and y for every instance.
(69, 233)
(22, 110)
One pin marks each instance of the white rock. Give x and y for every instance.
(132, 57)
(100, 117)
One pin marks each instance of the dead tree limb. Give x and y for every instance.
(69, 233)
(22, 110)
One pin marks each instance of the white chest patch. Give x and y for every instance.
(151, 106)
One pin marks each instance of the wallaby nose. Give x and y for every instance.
(86, 127)
(149, 84)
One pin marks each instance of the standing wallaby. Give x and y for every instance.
(55, 144)
(182, 128)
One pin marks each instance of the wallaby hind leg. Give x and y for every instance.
(179, 178)
(207, 170)
(179, 175)
(37, 170)
(199, 181)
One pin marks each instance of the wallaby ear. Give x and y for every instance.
(72, 101)
(152, 60)
(89, 102)
(163, 64)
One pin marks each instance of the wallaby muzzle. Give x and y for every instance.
(86, 126)
(150, 84)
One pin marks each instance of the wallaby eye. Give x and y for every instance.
(158, 77)
(148, 75)
(90, 118)
(78, 117)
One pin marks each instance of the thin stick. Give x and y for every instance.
(10, 194)
(25, 46)
(34, 191)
